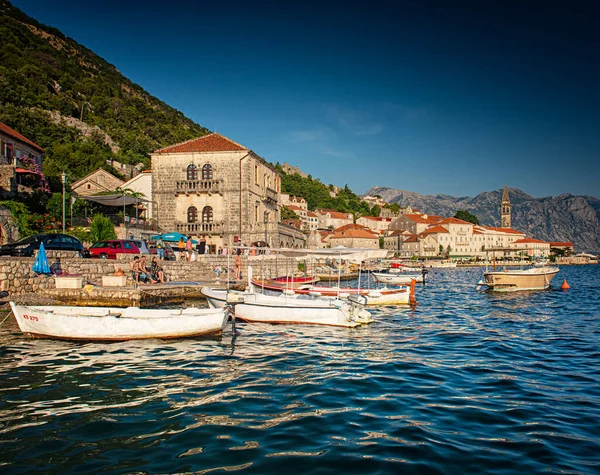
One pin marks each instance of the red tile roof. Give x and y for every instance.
(13, 133)
(415, 218)
(354, 233)
(294, 208)
(561, 244)
(412, 238)
(529, 241)
(334, 214)
(310, 214)
(345, 227)
(208, 143)
(454, 221)
(435, 230)
(503, 230)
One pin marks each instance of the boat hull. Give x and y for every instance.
(396, 279)
(513, 281)
(259, 308)
(112, 324)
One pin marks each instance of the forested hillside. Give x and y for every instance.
(76, 105)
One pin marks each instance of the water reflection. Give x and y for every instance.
(465, 381)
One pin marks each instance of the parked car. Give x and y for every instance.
(169, 253)
(52, 242)
(109, 248)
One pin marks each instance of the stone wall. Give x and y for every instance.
(16, 275)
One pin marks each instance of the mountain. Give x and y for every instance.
(76, 105)
(555, 218)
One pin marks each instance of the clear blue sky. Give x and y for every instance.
(428, 96)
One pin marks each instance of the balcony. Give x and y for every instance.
(198, 186)
(270, 195)
(216, 227)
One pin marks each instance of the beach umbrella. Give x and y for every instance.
(40, 265)
(172, 237)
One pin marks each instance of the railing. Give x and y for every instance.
(198, 186)
(117, 220)
(216, 227)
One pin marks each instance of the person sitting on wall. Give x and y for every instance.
(134, 268)
(145, 274)
(55, 267)
(156, 271)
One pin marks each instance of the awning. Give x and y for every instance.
(112, 200)
(24, 171)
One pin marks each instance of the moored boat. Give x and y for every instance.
(382, 296)
(537, 278)
(290, 309)
(396, 278)
(117, 324)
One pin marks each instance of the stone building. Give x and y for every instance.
(215, 189)
(330, 219)
(15, 151)
(355, 238)
(96, 182)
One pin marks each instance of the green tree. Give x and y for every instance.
(21, 215)
(466, 216)
(102, 228)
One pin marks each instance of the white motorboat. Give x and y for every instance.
(380, 296)
(292, 309)
(441, 264)
(117, 324)
(395, 279)
(537, 278)
(217, 298)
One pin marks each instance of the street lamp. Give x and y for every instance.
(64, 183)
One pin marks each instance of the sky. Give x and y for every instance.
(436, 97)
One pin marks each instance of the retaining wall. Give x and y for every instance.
(17, 277)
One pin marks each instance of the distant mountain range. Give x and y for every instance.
(554, 218)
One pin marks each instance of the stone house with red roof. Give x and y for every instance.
(330, 219)
(531, 247)
(355, 237)
(15, 150)
(215, 189)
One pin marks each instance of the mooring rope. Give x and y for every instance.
(5, 318)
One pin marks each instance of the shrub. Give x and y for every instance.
(102, 228)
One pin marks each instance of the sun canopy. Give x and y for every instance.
(112, 200)
(345, 253)
(172, 237)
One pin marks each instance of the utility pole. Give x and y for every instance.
(64, 184)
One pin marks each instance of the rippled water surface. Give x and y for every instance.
(467, 382)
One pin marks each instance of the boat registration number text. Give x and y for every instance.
(33, 318)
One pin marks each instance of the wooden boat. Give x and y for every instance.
(396, 278)
(117, 324)
(441, 264)
(537, 278)
(382, 296)
(291, 309)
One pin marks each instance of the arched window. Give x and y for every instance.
(207, 172)
(207, 214)
(192, 214)
(192, 172)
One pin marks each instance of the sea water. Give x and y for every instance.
(466, 382)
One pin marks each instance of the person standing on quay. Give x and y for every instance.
(189, 249)
(238, 265)
(180, 249)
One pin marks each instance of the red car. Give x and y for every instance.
(110, 248)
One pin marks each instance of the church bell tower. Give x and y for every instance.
(505, 209)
